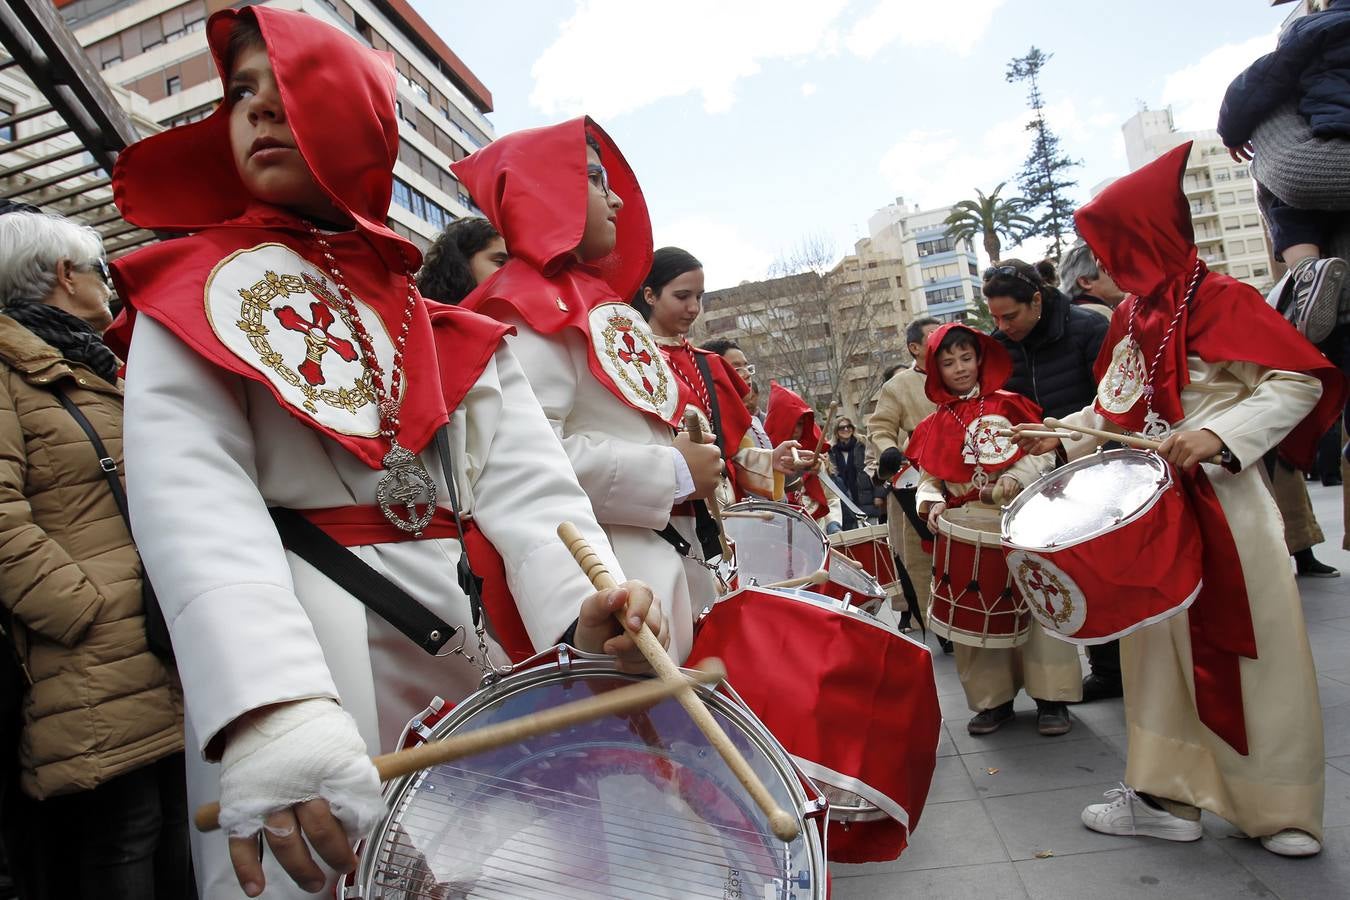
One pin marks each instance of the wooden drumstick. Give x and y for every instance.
(1062, 435)
(1129, 440)
(829, 417)
(619, 701)
(762, 514)
(783, 825)
(695, 429)
(820, 576)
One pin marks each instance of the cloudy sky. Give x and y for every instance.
(753, 124)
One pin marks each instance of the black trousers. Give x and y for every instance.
(126, 839)
(1104, 660)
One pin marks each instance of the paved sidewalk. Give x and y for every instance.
(1002, 819)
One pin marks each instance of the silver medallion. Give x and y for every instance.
(406, 493)
(1155, 426)
(980, 478)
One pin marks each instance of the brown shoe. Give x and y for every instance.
(988, 721)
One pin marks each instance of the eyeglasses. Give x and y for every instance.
(1008, 272)
(747, 369)
(100, 266)
(597, 176)
(843, 428)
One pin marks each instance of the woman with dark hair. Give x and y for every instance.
(1054, 345)
(671, 299)
(462, 257)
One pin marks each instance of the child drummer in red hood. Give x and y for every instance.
(1220, 700)
(282, 357)
(963, 459)
(576, 224)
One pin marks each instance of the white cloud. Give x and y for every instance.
(616, 56)
(940, 167)
(808, 89)
(1195, 92)
(921, 24)
(728, 256)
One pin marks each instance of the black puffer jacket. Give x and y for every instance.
(1053, 365)
(1311, 63)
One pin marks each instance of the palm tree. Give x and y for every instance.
(991, 216)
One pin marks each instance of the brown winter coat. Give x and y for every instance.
(100, 703)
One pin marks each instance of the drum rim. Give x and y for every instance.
(564, 661)
(865, 534)
(805, 595)
(1094, 458)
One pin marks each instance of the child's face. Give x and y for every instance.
(677, 306)
(602, 210)
(262, 144)
(960, 369)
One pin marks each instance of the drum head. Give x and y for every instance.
(1084, 499)
(631, 806)
(777, 544)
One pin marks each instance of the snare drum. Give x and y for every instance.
(852, 701)
(776, 543)
(870, 548)
(626, 806)
(1104, 546)
(973, 599)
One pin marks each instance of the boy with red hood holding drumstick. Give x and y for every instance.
(1220, 700)
(282, 357)
(960, 454)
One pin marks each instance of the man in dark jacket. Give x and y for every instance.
(1053, 345)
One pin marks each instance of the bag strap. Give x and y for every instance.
(156, 626)
(714, 412)
(469, 580)
(351, 573)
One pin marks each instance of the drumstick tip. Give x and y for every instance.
(784, 826)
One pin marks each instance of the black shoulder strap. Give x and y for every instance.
(351, 573)
(156, 628)
(714, 412)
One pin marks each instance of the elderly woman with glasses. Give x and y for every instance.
(102, 800)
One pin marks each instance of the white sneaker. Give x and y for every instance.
(1292, 842)
(1126, 813)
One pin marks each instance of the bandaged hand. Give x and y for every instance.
(599, 631)
(297, 771)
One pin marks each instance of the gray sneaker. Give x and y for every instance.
(1316, 296)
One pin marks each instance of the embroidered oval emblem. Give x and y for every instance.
(1055, 599)
(1125, 377)
(628, 354)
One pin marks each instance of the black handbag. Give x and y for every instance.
(156, 628)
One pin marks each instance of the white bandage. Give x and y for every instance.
(296, 752)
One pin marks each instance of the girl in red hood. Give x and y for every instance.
(791, 418)
(958, 451)
(572, 213)
(282, 357)
(1220, 700)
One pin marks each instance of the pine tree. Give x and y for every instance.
(1044, 177)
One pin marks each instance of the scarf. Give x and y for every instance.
(70, 335)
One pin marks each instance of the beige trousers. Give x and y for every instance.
(1301, 530)
(1047, 667)
(906, 544)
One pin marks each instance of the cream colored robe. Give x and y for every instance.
(901, 406)
(1047, 667)
(1279, 784)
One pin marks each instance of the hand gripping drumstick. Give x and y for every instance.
(611, 703)
(783, 825)
(1129, 440)
(695, 429)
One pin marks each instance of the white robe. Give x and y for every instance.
(624, 461)
(207, 452)
(1279, 784)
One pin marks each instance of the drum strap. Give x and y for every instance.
(908, 500)
(705, 529)
(714, 411)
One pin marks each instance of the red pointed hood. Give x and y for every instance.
(339, 102)
(995, 364)
(1140, 230)
(786, 409)
(532, 187)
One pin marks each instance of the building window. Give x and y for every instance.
(940, 245)
(173, 85)
(1259, 271)
(6, 110)
(944, 295)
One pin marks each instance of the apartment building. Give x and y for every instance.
(1228, 229)
(155, 52)
(943, 275)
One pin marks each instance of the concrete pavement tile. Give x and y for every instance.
(998, 881)
(1314, 878)
(950, 834)
(1051, 821)
(945, 745)
(1157, 869)
(951, 782)
(1102, 716)
(1336, 813)
(1051, 764)
(1020, 732)
(1332, 692)
(1340, 762)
